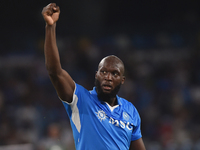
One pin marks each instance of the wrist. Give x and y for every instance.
(50, 26)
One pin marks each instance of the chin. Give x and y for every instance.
(106, 93)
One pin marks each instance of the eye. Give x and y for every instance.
(116, 74)
(103, 71)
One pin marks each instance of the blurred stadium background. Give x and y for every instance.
(158, 41)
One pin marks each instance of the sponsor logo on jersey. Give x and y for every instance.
(123, 124)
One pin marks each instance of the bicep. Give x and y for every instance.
(137, 145)
(64, 85)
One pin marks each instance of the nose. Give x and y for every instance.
(108, 76)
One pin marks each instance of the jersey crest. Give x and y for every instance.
(125, 116)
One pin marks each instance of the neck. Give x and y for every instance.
(111, 101)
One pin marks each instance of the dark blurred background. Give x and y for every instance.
(159, 42)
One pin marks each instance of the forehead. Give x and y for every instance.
(111, 63)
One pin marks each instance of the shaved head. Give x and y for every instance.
(113, 60)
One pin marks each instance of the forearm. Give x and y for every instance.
(52, 58)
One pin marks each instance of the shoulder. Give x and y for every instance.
(80, 89)
(129, 107)
(125, 103)
(82, 93)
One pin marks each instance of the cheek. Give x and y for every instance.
(117, 81)
(98, 77)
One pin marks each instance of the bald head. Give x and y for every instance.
(112, 60)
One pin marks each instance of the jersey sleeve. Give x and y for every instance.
(73, 109)
(136, 134)
(76, 95)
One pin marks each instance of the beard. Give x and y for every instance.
(106, 96)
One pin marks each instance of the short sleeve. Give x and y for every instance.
(136, 134)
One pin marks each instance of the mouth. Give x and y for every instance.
(106, 87)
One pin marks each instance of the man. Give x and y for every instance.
(100, 120)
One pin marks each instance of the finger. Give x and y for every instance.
(51, 5)
(49, 9)
(56, 9)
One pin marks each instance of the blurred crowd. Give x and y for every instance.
(162, 81)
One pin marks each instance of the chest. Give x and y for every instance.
(115, 122)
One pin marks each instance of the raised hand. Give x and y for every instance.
(51, 13)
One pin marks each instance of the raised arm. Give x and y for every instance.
(61, 80)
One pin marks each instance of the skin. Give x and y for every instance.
(109, 75)
(61, 80)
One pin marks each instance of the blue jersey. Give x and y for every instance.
(96, 127)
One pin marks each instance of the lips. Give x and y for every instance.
(107, 87)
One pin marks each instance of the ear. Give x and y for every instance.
(96, 75)
(123, 79)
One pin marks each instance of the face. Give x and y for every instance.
(109, 77)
